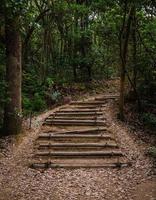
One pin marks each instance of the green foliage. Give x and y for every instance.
(77, 42)
(15, 7)
(49, 82)
(56, 96)
(38, 102)
(149, 119)
(26, 103)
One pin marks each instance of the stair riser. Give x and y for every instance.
(72, 166)
(79, 140)
(80, 149)
(78, 110)
(73, 145)
(73, 124)
(78, 136)
(73, 117)
(79, 131)
(86, 106)
(77, 114)
(99, 103)
(76, 157)
(106, 98)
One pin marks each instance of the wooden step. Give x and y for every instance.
(76, 146)
(79, 110)
(87, 103)
(76, 136)
(79, 165)
(72, 113)
(78, 131)
(74, 117)
(106, 97)
(75, 122)
(84, 155)
(87, 106)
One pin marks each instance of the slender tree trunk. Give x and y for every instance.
(125, 32)
(122, 91)
(12, 113)
(73, 48)
(134, 49)
(74, 73)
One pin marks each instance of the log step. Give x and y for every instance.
(87, 106)
(80, 161)
(91, 154)
(76, 146)
(106, 97)
(85, 136)
(83, 131)
(79, 111)
(72, 113)
(75, 122)
(87, 103)
(79, 165)
(74, 117)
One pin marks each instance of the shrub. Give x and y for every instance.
(149, 119)
(38, 103)
(56, 96)
(26, 103)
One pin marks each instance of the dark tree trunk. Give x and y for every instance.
(12, 113)
(74, 73)
(89, 69)
(124, 38)
(134, 49)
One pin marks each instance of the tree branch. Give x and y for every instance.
(32, 28)
(150, 52)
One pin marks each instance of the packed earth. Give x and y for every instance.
(18, 181)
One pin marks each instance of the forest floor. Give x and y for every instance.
(20, 182)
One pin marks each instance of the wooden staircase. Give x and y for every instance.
(83, 138)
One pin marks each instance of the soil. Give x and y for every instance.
(146, 190)
(20, 182)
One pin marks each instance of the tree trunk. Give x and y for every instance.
(12, 112)
(124, 38)
(134, 49)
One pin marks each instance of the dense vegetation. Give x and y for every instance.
(61, 42)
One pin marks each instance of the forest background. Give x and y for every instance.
(54, 48)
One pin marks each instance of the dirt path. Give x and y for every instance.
(19, 182)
